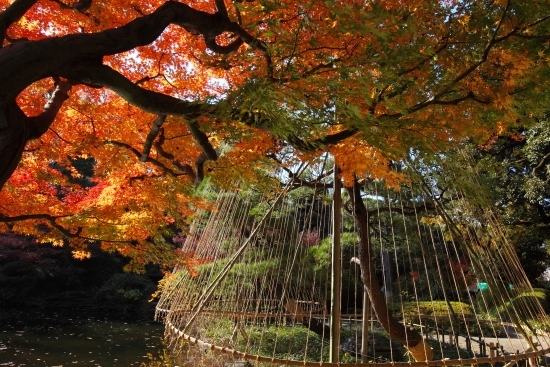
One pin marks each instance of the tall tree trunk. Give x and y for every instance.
(409, 337)
(78, 57)
(13, 137)
(16, 128)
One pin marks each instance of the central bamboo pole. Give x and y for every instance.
(336, 276)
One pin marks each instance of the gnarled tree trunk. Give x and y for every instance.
(13, 137)
(410, 338)
(78, 59)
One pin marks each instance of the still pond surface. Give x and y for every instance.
(80, 343)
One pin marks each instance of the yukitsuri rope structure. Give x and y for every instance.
(428, 279)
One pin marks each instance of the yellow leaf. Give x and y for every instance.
(81, 255)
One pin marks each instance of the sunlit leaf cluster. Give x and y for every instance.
(365, 81)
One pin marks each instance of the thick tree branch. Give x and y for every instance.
(148, 100)
(431, 102)
(408, 337)
(401, 89)
(490, 44)
(12, 14)
(199, 166)
(78, 49)
(16, 128)
(13, 137)
(202, 139)
(255, 44)
(182, 167)
(437, 51)
(542, 213)
(224, 50)
(437, 98)
(484, 55)
(82, 5)
(38, 125)
(19, 218)
(221, 9)
(455, 101)
(516, 31)
(79, 57)
(321, 142)
(153, 161)
(186, 170)
(51, 219)
(153, 133)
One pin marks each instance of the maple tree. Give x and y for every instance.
(159, 93)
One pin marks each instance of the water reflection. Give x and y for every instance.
(80, 343)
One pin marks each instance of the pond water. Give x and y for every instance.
(80, 343)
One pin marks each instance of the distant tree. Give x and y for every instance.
(517, 165)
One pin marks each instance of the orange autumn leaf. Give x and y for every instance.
(130, 105)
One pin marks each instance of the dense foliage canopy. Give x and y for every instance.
(517, 168)
(111, 111)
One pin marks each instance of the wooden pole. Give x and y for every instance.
(532, 360)
(365, 333)
(336, 276)
(387, 279)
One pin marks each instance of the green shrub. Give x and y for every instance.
(293, 342)
(432, 308)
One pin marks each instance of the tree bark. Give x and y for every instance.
(79, 57)
(409, 337)
(51, 56)
(13, 137)
(16, 129)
